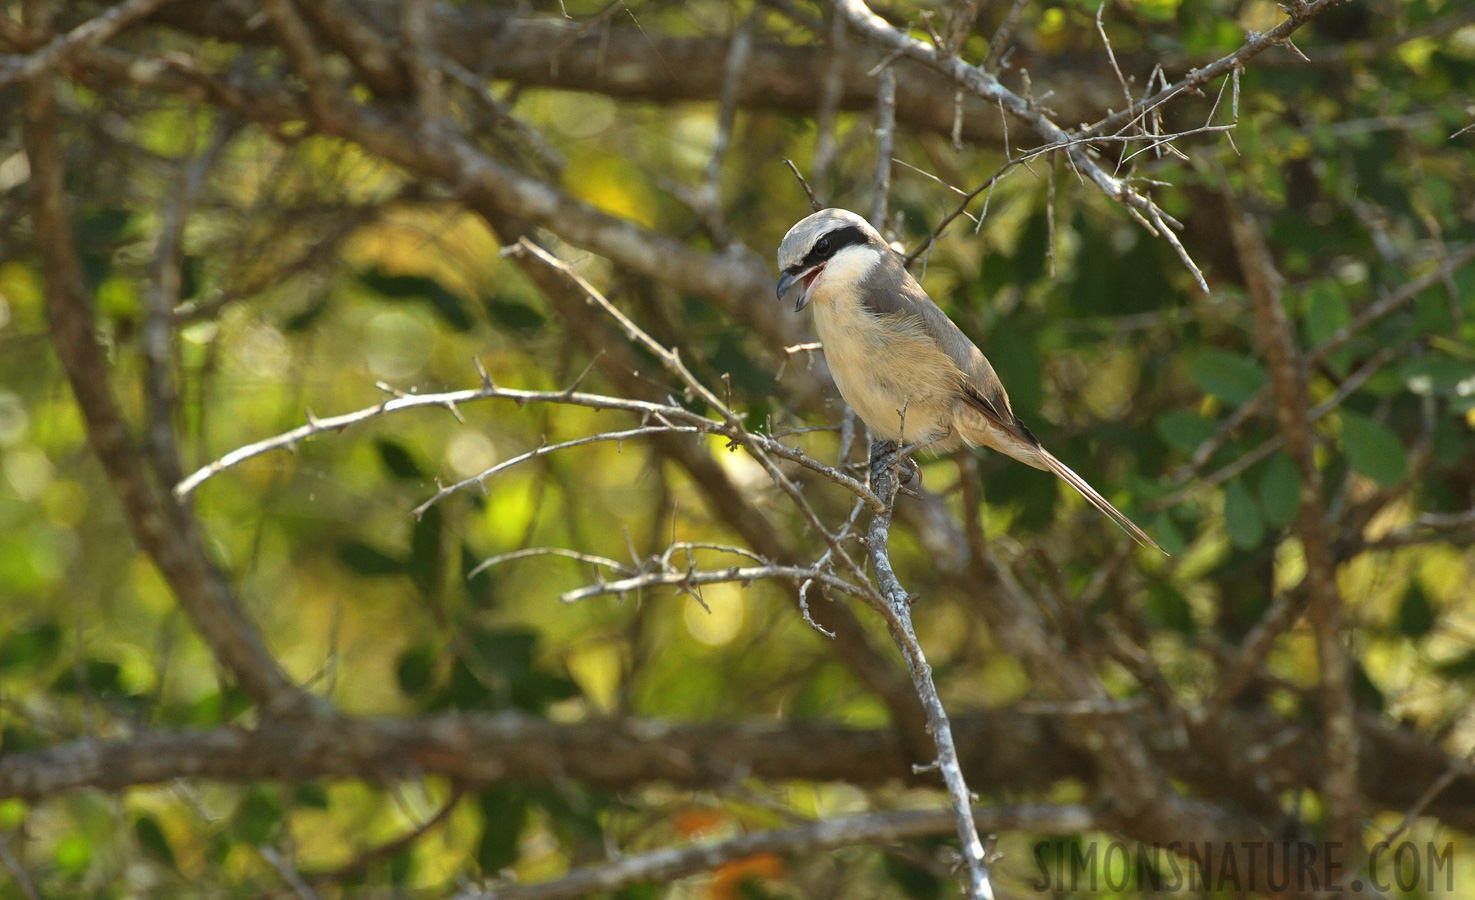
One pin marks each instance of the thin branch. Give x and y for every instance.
(169, 535)
(480, 478)
(898, 612)
(289, 874)
(814, 205)
(867, 828)
(86, 36)
(1004, 35)
(1288, 382)
(826, 146)
(421, 60)
(885, 137)
(690, 579)
(22, 878)
(1298, 14)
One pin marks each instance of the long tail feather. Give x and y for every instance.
(1096, 500)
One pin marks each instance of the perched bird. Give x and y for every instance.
(899, 361)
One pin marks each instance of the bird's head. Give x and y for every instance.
(835, 239)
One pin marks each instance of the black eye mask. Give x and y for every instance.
(832, 243)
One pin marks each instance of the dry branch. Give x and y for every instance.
(867, 828)
(1292, 412)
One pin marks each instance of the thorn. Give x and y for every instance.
(481, 371)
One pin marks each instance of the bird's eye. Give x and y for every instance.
(822, 246)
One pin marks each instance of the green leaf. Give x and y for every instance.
(398, 460)
(258, 816)
(31, 647)
(1326, 312)
(416, 669)
(1280, 490)
(425, 553)
(1168, 534)
(514, 316)
(1415, 616)
(481, 586)
(914, 881)
(1437, 374)
(100, 676)
(1372, 449)
(310, 793)
(153, 842)
(1167, 606)
(367, 560)
(1229, 376)
(1365, 693)
(1462, 666)
(1183, 430)
(1241, 516)
(504, 812)
(446, 305)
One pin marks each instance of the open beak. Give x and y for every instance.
(790, 281)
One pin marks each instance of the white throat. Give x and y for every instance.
(843, 273)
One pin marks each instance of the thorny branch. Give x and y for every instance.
(868, 828)
(897, 610)
(1130, 756)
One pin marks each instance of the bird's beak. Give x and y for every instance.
(791, 280)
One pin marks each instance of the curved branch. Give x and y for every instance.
(169, 535)
(866, 828)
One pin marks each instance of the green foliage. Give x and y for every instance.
(1241, 516)
(1373, 450)
(447, 306)
(1415, 616)
(1280, 490)
(153, 842)
(311, 268)
(1232, 377)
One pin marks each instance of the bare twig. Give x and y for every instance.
(86, 36)
(18, 872)
(689, 579)
(814, 202)
(289, 874)
(450, 400)
(898, 613)
(867, 828)
(1298, 14)
(885, 131)
(826, 146)
(1003, 35)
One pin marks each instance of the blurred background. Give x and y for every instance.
(269, 209)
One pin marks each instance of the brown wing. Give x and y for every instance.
(980, 385)
(980, 388)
